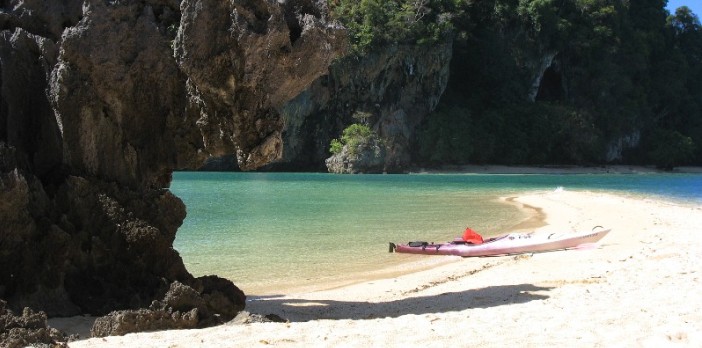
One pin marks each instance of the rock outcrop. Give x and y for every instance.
(366, 157)
(244, 62)
(27, 329)
(397, 85)
(182, 307)
(102, 100)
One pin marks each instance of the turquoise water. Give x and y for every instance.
(270, 232)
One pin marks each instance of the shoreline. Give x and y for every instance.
(535, 219)
(552, 169)
(639, 279)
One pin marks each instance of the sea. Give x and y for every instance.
(276, 233)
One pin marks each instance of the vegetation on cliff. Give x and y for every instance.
(578, 82)
(359, 149)
(372, 23)
(353, 136)
(551, 81)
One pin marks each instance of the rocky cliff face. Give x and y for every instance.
(102, 100)
(397, 85)
(244, 61)
(403, 84)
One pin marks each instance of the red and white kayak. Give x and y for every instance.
(513, 243)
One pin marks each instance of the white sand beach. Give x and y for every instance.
(639, 288)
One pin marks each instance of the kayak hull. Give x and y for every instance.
(513, 243)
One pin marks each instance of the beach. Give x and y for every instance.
(639, 287)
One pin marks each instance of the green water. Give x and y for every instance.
(269, 232)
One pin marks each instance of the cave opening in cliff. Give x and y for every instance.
(294, 28)
(295, 32)
(295, 12)
(551, 87)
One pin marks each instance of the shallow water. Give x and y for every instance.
(270, 232)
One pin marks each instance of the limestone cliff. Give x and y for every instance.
(397, 85)
(101, 100)
(244, 60)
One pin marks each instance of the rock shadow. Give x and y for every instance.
(300, 310)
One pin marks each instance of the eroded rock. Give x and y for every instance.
(102, 100)
(182, 307)
(244, 61)
(366, 157)
(28, 329)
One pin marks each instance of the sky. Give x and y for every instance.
(694, 5)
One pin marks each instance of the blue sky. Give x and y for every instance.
(694, 5)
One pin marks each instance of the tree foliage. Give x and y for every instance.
(550, 81)
(352, 137)
(372, 23)
(618, 68)
(670, 149)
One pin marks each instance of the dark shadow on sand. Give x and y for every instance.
(299, 310)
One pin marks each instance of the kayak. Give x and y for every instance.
(508, 244)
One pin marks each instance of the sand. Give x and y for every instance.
(640, 287)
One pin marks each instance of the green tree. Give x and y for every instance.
(685, 115)
(353, 137)
(372, 23)
(671, 149)
(445, 137)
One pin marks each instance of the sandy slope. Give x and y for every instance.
(641, 287)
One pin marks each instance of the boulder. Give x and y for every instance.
(183, 307)
(367, 157)
(28, 329)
